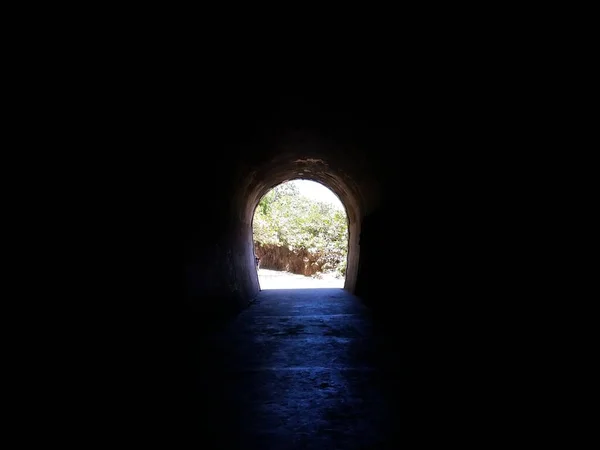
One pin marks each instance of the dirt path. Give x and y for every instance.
(273, 279)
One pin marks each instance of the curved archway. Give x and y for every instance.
(296, 155)
(300, 236)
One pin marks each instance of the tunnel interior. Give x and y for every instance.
(423, 182)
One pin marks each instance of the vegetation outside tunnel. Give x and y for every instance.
(299, 234)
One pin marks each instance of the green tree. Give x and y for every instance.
(283, 217)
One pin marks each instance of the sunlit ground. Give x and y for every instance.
(273, 279)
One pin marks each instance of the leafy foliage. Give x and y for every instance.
(284, 217)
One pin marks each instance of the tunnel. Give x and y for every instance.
(424, 282)
(400, 253)
(298, 154)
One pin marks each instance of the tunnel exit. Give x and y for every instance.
(300, 237)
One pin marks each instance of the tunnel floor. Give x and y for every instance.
(298, 369)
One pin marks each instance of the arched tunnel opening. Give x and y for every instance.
(316, 169)
(300, 236)
(224, 270)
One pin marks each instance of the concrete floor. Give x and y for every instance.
(298, 369)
